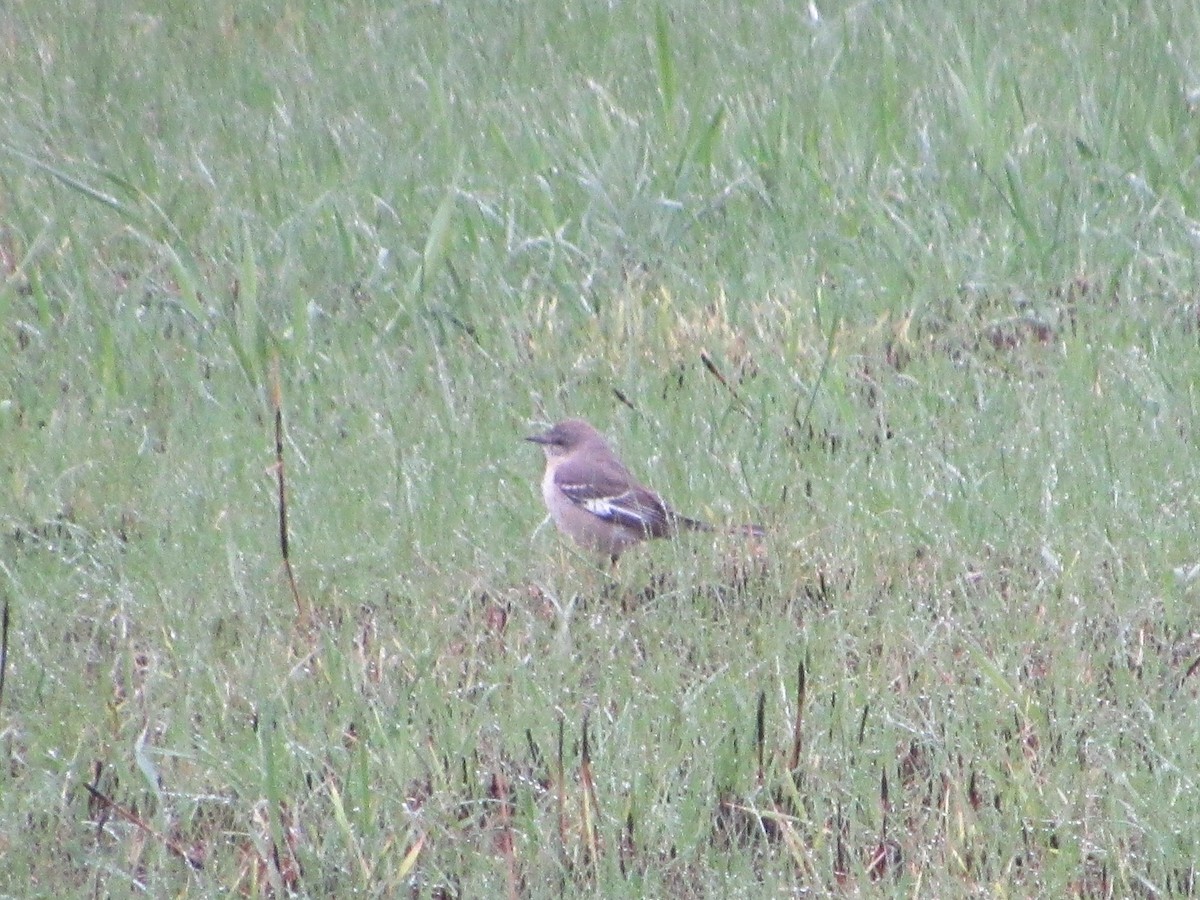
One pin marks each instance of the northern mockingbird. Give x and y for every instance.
(594, 499)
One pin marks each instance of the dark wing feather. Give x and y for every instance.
(608, 491)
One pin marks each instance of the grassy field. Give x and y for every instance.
(915, 285)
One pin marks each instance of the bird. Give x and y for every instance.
(595, 500)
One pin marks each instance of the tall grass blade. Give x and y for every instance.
(668, 89)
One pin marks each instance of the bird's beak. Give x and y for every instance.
(543, 438)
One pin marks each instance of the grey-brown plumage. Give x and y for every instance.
(596, 501)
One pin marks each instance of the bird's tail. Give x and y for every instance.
(684, 522)
(748, 530)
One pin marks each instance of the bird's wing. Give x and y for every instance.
(610, 493)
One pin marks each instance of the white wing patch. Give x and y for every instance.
(637, 510)
(618, 507)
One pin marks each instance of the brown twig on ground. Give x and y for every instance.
(277, 404)
(716, 373)
(194, 860)
(591, 806)
(760, 738)
(560, 792)
(620, 396)
(503, 834)
(797, 731)
(3, 647)
(886, 855)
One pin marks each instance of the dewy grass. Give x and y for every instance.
(913, 287)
